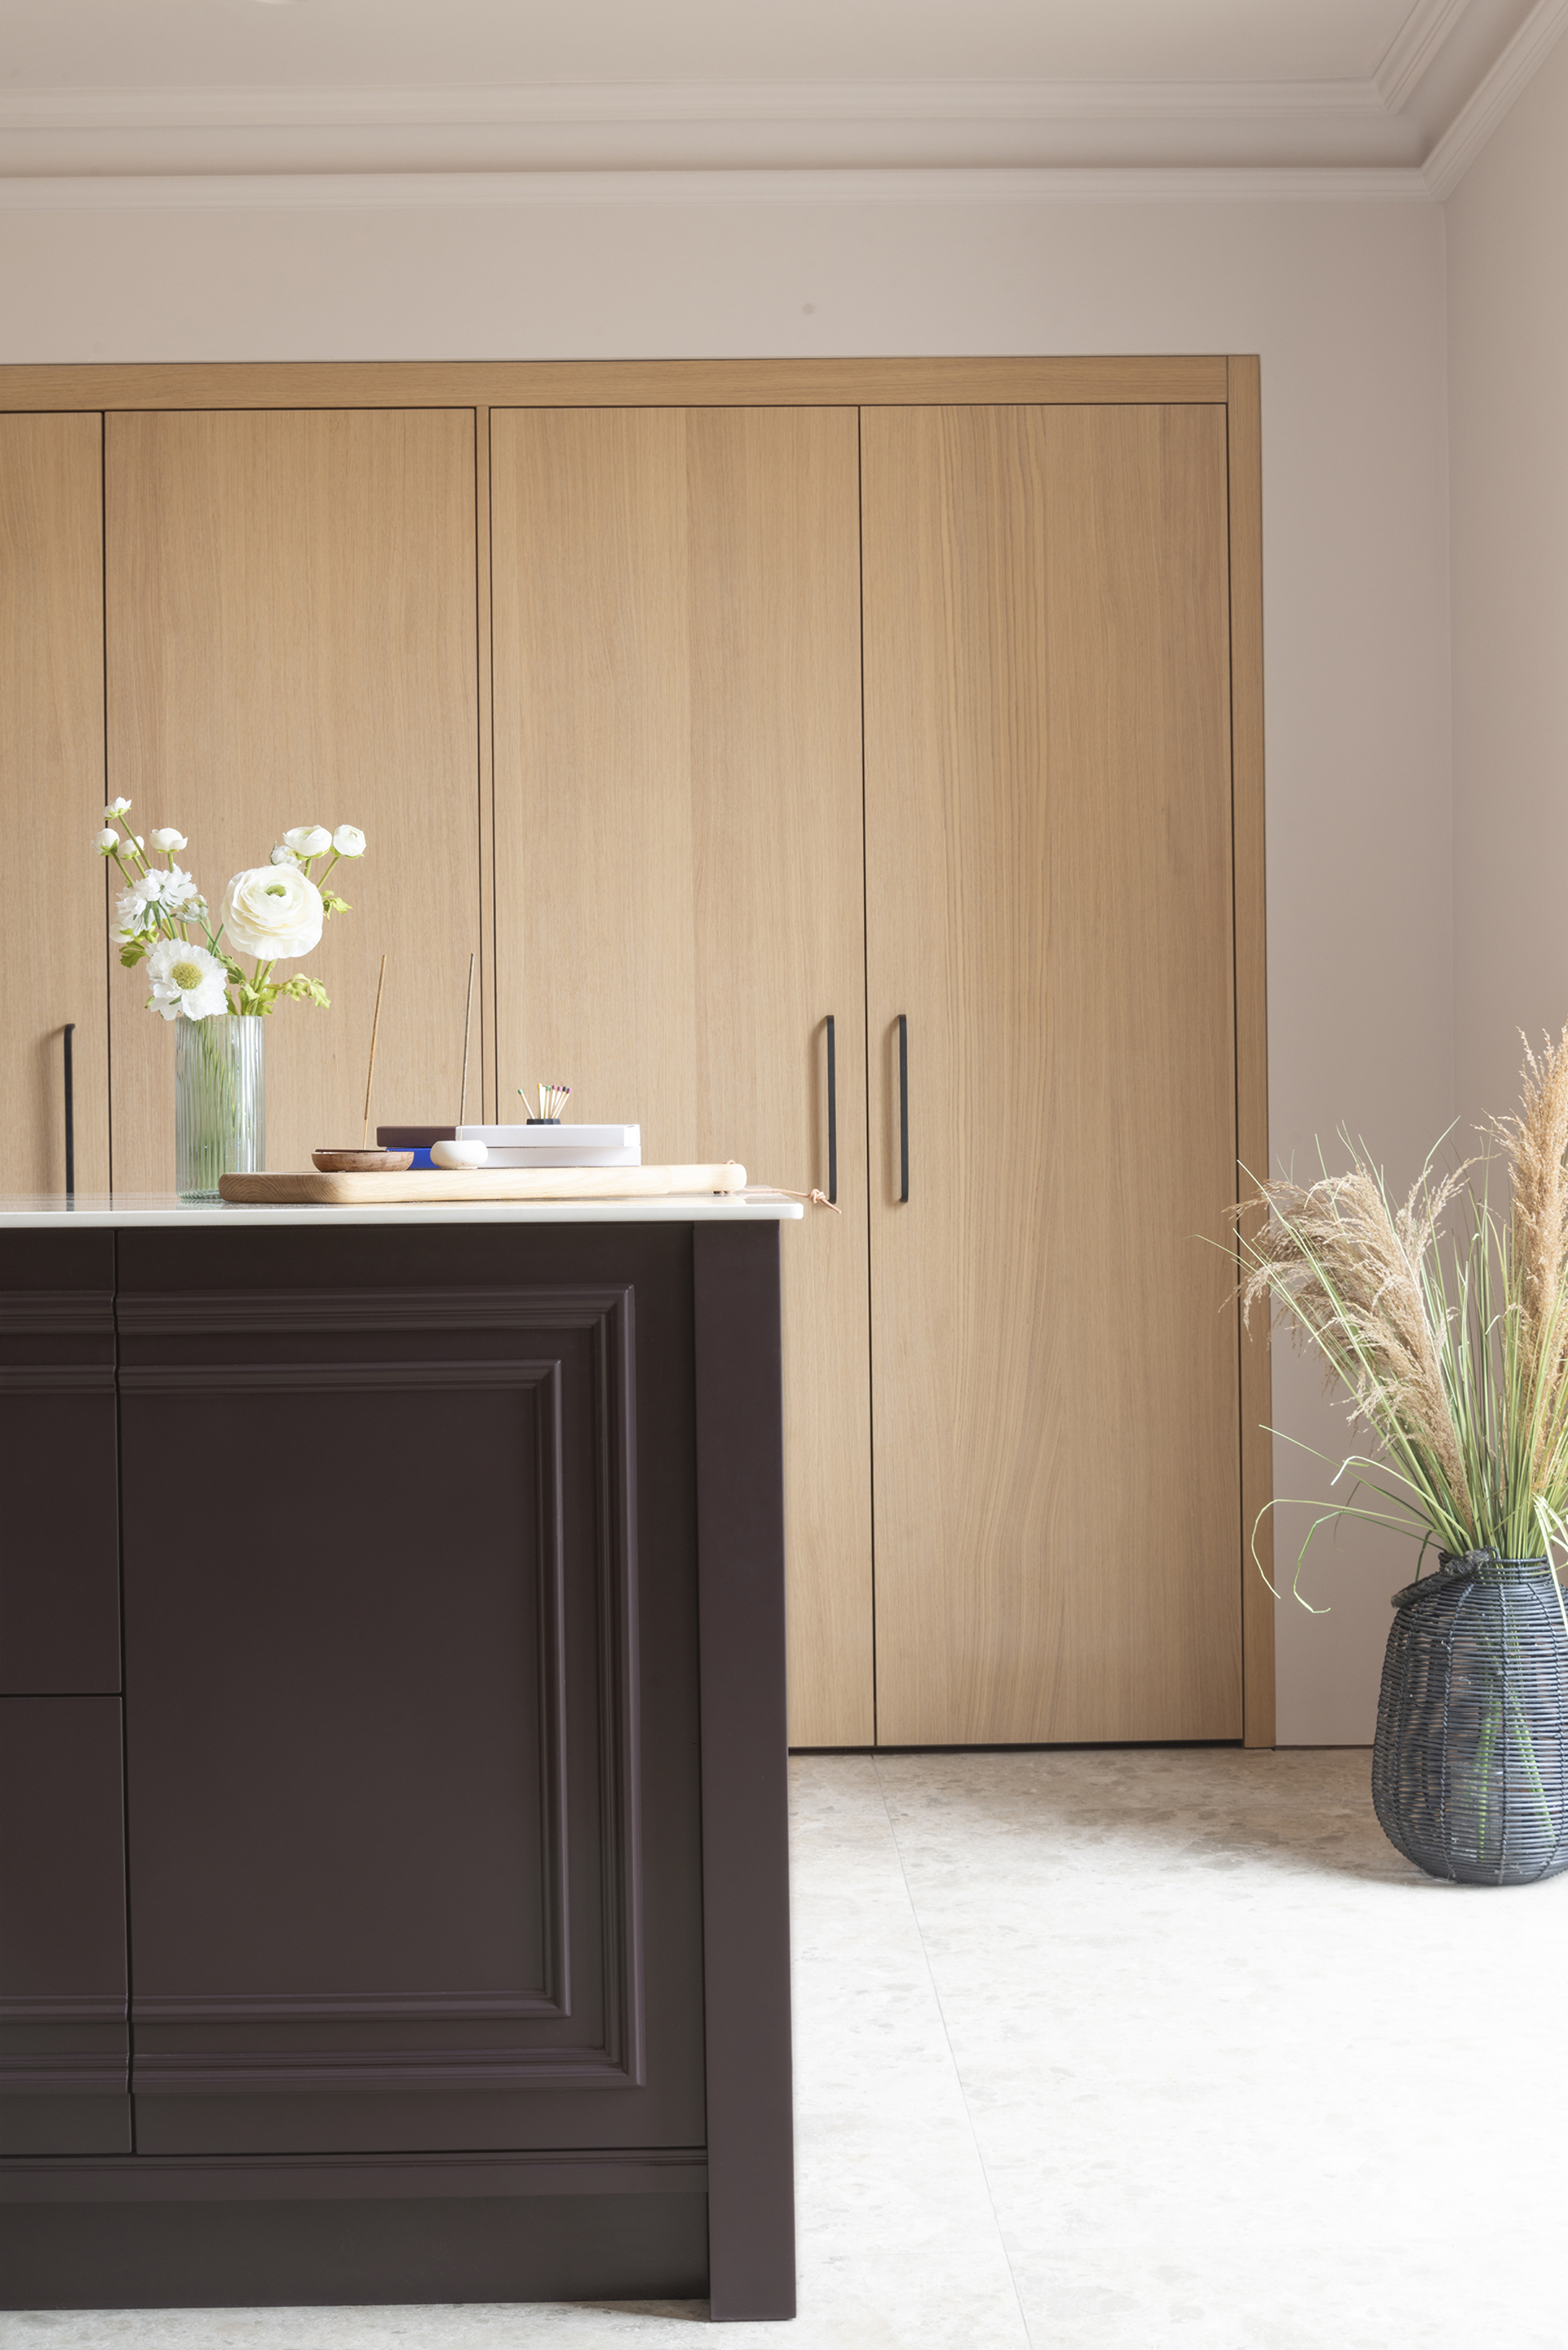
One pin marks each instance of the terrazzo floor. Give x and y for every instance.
(1111, 2051)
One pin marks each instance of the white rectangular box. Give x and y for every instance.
(557, 1146)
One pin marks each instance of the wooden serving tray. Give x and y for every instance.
(306, 1188)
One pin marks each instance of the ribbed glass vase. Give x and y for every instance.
(220, 1101)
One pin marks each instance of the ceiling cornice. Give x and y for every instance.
(521, 104)
(1414, 48)
(441, 191)
(1476, 120)
(1337, 141)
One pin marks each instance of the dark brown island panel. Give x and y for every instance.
(393, 1863)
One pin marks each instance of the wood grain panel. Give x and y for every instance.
(1246, 481)
(482, 1074)
(614, 383)
(595, 861)
(1048, 846)
(52, 795)
(291, 615)
(679, 879)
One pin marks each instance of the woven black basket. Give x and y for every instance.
(1469, 1770)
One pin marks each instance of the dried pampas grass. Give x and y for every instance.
(1535, 1143)
(1452, 1346)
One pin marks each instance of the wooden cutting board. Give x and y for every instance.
(437, 1186)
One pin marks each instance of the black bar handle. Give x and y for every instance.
(70, 1117)
(832, 1115)
(903, 1106)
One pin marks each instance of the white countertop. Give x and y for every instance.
(143, 1208)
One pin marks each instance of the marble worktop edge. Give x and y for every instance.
(140, 1210)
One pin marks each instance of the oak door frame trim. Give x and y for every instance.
(619, 383)
(1244, 447)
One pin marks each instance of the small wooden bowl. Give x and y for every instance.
(362, 1162)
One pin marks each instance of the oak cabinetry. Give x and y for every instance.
(677, 847)
(1048, 893)
(52, 779)
(292, 638)
(716, 703)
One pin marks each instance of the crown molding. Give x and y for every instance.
(1414, 48)
(991, 141)
(1476, 120)
(523, 105)
(708, 125)
(444, 191)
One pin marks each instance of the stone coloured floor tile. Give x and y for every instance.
(1237, 2072)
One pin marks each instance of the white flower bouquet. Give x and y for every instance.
(273, 913)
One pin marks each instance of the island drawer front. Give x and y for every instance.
(59, 1472)
(63, 2033)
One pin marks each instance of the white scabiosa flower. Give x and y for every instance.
(159, 890)
(282, 855)
(308, 839)
(115, 810)
(186, 979)
(348, 840)
(134, 914)
(274, 911)
(166, 840)
(107, 841)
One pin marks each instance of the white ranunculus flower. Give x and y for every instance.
(282, 855)
(166, 840)
(348, 840)
(116, 808)
(186, 979)
(107, 841)
(274, 911)
(308, 839)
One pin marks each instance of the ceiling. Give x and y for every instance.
(1406, 88)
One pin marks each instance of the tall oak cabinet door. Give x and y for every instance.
(52, 797)
(293, 640)
(1048, 870)
(680, 885)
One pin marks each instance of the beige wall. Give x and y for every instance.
(1508, 348)
(1345, 304)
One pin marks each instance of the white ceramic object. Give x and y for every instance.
(455, 1155)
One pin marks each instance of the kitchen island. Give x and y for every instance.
(393, 1867)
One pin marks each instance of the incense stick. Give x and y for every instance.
(370, 1072)
(467, 1024)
